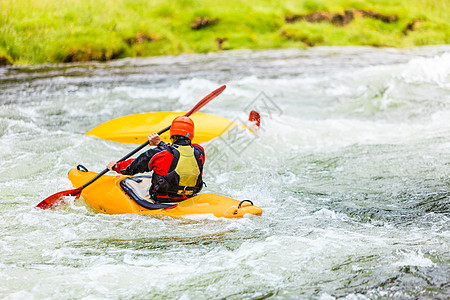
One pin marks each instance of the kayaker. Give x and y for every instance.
(177, 167)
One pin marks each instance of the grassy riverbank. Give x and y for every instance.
(33, 32)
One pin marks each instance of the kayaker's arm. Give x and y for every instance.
(142, 162)
(138, 165)
(154, 139)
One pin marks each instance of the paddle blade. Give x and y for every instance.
(205, 100)
(255, 118)
(55, 198)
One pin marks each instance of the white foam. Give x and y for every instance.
(326, 296)
(414, 259)
(20, 295)
(430, 70)
(200, 217)
(326, 213)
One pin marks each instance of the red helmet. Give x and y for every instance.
(183, 126)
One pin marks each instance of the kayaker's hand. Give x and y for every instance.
(111, 165)
(154, 139)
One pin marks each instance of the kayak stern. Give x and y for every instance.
(106, 196)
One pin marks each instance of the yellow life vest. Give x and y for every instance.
(188, 170)
(183, 181)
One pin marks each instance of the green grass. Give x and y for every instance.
(43, 31)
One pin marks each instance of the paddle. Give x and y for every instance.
(53, 199)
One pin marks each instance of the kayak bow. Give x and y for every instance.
(134, 129)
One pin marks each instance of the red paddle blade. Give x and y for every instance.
(205, 100)
(255, 117)
(55, 198)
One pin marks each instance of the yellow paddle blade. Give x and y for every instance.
(134, 129)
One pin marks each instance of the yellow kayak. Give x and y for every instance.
(106, 195)
(134, 129)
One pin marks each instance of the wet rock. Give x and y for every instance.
(4, 61)
(88, 54)
(309, 41)
(315, 17)
(140, 38)
(220, 42)
(343, 19)
(340, 19)
(321, 16)
(203, 22)
(378, 16)
(411, 26)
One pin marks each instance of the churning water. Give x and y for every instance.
(351, 167)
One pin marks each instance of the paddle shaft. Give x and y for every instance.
(122, 159)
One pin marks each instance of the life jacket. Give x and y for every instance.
(183, 180)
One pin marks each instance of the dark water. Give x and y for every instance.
(351, 168)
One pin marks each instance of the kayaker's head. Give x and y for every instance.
(182, 128)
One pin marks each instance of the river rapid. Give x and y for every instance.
(351, 167)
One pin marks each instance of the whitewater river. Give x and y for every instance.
(351, 168)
